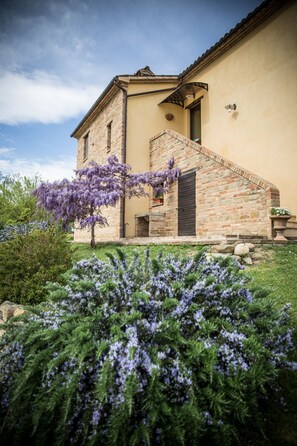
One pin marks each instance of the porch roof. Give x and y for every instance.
(183, 92)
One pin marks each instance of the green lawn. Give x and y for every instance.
(276, 273)
(84, 251)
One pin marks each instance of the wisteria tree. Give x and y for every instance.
(97, 186)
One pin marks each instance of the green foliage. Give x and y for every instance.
(278, 272)
(166, 351)
(17, 204)
(28, 262)
(84, 251)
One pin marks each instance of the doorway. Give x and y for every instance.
(187, 204)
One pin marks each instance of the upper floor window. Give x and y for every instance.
(195, 123)
(108, 142)
(86, 146)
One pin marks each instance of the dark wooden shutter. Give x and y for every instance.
(187, 204)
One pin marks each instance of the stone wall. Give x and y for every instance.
(157, 226)
(229, 199)
(99, 152)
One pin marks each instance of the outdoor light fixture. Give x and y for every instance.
(169, 116)
(190, 96)
(230, 107)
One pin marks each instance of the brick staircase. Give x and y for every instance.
(291, 231)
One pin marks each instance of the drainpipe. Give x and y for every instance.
(124, 155)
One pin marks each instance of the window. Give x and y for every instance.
(86, 146)
(108, 143)
(158, 195)
(195, 124)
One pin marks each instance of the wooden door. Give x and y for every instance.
(187, 204)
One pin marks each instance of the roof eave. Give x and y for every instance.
(94, 106)
(114, 81)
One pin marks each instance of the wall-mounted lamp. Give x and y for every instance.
(190, 96)
(230, 107)
(169, 116)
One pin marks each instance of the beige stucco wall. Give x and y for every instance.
(259, 75)
(145, 118)
(97, 130)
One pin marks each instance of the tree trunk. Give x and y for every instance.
(93, 243)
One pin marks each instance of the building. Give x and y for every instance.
(229, 120)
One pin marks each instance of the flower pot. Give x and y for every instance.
(279, 226)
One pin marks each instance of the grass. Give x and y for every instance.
(278, 274)
(84, 251)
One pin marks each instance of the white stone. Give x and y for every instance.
(18, 311)
(241, 250)
(9, 309)
(247, 260)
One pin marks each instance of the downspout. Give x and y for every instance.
(124, 155)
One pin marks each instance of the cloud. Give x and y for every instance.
(6, 150)
(48, 170)
(41, 98)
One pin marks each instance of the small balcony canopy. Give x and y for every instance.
(183, 92)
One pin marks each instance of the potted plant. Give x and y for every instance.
(280, 217)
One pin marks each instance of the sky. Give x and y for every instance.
(57, 56)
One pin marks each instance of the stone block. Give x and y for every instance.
(247, 260)
(9, 309)
(241, 250)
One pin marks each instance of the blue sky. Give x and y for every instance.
(57, 56)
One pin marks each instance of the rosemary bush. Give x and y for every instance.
(164, 351)
(10, 231)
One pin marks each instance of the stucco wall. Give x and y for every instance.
(145, 118)
(229, 199)
(259, 75)
(97, 132)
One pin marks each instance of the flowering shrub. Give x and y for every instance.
(96, 186)
(280, 211)
(163, 351)
(31, 259)
(10, 231)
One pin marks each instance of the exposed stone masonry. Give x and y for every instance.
(229, 199)
(98, 151)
